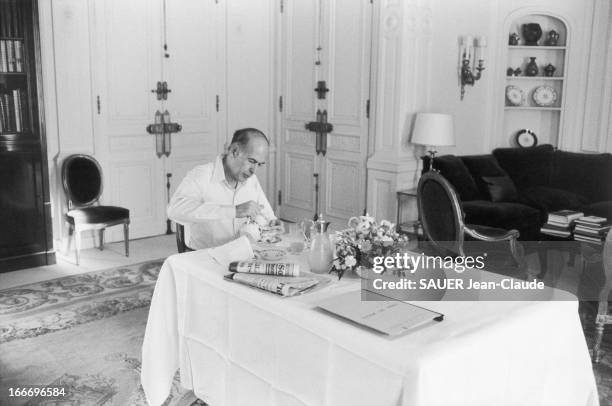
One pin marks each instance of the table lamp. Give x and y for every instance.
(433, 130)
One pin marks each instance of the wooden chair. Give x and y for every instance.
(603, 316)
(181, 245)
(82, 182)
(441, 217)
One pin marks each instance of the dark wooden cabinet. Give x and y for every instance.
(25, 209)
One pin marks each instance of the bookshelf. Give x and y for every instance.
(25, 215)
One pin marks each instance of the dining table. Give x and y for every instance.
(238, 345)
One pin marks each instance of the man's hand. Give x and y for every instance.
(248, 209)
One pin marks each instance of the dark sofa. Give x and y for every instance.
(516, 188)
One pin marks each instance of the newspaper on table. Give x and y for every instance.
(265, 268)
(280, 285)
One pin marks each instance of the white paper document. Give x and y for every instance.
(380, 313)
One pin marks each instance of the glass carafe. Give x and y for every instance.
(320, 255)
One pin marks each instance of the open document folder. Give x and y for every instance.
(380, 313)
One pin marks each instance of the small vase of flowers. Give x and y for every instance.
(364, 240)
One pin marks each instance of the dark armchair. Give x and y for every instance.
(442, 220)
(82, 182)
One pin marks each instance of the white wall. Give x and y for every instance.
(478, 118)
(451, 21)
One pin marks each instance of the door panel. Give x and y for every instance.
(127, 65)
(343, 183)
(189, 69)
(299, 47)
(128, 37)
(298, 198)
(136, 185)
(298, 160)
(342, 29)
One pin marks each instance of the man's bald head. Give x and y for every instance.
(243, 136)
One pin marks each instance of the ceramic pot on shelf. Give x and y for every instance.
(553, 38)
(549, 70)
(532, 33)
(532, 67)
(514, 39)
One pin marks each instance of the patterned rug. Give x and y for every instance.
(83, 333)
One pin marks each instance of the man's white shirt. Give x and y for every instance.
(205, 203)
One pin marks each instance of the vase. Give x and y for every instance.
(549, 70)
(532, 33)
(532, 67)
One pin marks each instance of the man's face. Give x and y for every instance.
(245, 162)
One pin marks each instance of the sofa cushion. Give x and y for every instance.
(482, 166)
(547, 199)
(453, 169)
(501, 188)
(601, 209)
(587, 174)
(527, 167)
(525, 219)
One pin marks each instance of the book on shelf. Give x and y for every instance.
(3, 57)
(18, 55)
(564, 216)
(18, 110)
(10, 56)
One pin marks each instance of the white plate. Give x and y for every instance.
(272, 254)
(273, 239)
(544, 96)
(515, 95)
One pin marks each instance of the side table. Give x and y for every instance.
(408, 214)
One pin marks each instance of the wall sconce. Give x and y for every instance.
(470, 52)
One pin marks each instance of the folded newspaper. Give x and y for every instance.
(280, 278)
(265, 268)
(281, 285)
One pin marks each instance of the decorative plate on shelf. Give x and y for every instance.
(526, 138)
(515, 95)
(544, 96)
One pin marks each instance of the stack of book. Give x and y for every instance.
(591, 229)
(560, 222)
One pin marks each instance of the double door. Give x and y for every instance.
(139, 43)
(324, 118)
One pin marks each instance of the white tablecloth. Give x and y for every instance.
(240, 346)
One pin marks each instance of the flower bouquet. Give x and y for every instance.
(358, 245)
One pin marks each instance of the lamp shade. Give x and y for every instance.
(433, 129)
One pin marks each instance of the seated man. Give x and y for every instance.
(216, 199)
